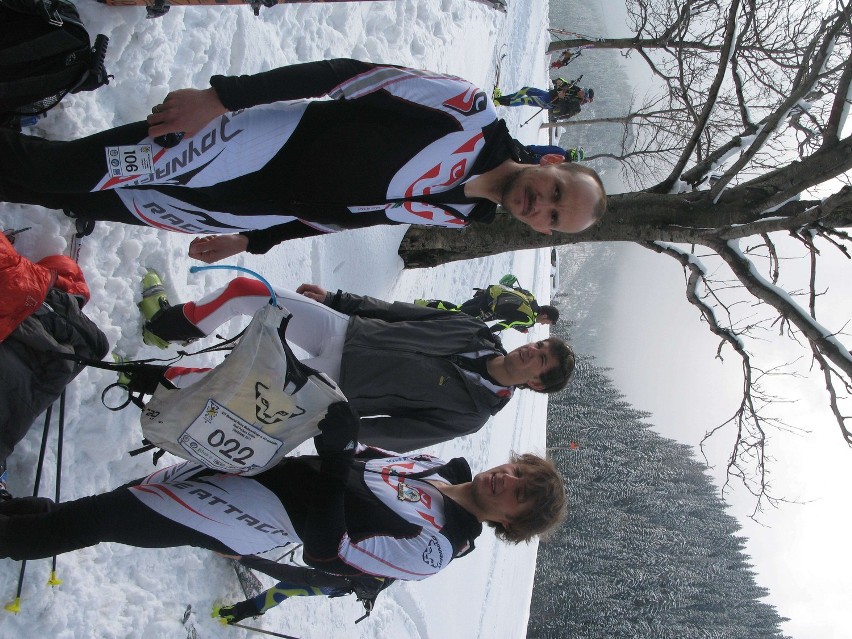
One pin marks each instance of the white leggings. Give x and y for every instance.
(314, 327)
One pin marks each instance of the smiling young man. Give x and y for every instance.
(418, 376)
(258, 164)
(517, 499)
(356, 512)
(526, 366)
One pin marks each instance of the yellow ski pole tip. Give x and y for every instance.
(14, 606)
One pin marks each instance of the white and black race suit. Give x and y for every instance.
(385, 145)
(386, 518)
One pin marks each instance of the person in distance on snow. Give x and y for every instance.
(258, 165)
(512, 307)
(355, 511)
(565, 98)
(417, 376)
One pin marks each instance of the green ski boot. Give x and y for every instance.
(154, 301)
(123, 378)
(228, 615)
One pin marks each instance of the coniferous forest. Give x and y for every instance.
(647, 549)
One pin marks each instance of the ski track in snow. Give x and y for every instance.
(113, 591)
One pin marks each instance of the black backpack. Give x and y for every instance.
(45, 53)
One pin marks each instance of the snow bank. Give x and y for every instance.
(113, 591)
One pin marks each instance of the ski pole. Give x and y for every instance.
(15, 606)
(533, 115)
(53, 580)
(265, 632)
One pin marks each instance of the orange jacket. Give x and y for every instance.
(23, 284)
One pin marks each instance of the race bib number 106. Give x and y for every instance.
(125, 161)
(222, 440)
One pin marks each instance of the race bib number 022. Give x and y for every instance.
(222, 440)
(125, 161)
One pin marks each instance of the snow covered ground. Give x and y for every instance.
(115, 591)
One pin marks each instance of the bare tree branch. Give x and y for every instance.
(781, 112)
(761, 158)
(701, 122)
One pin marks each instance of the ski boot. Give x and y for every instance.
(154, 301)
(496, 95)
(234, 614)
(123, 378)
(143, 379)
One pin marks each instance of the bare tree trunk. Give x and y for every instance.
(687, 218)
(633, 43)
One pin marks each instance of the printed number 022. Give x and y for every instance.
(229, 446)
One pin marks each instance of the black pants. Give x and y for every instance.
(36, 527)
(475, 307)
(60, 175)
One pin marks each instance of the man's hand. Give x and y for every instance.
(212, 248)
(316, 293)
(185, 110)
(339, 430)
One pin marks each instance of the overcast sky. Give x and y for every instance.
(663, 358)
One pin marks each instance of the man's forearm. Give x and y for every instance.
(262, 240)
(293, 82)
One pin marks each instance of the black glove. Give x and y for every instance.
(339, 431)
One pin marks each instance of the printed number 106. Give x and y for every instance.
(131, 163)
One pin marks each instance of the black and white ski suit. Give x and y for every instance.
(393, 145)
(379, 516)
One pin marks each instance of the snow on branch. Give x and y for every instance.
(804, 84)
(695, 281)
(712, 96)
(747, 462)
(840, 108)
(742, 104)
(822, 341)
(698, 173)
(784, 185)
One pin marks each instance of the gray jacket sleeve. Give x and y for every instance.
(364, 306)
